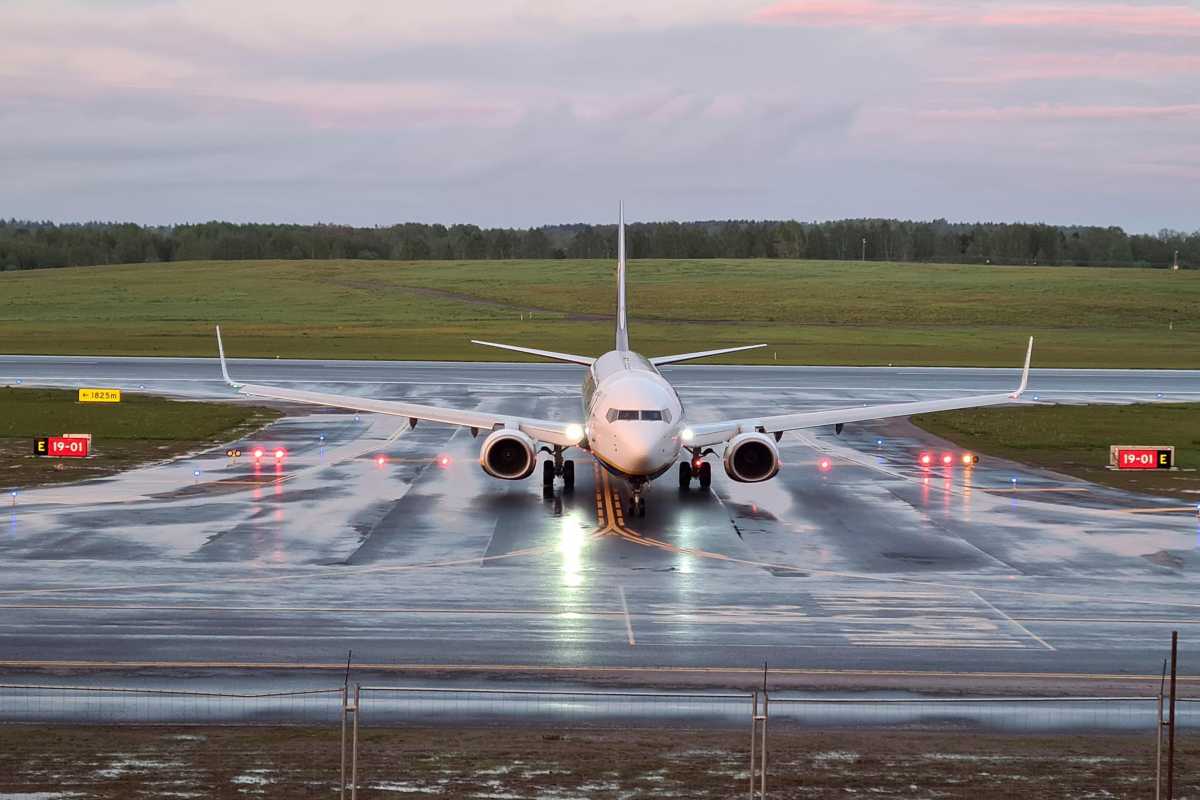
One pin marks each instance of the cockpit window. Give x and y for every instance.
(654, 415)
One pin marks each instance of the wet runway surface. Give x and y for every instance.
(360, 539)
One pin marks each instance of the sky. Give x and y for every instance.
(528, 112)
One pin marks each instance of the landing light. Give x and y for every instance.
(687, 434)
(970, 459)
(574, 432)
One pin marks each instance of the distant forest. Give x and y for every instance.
(34, 245)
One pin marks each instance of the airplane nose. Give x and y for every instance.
(644, 451)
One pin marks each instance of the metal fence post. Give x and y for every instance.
(1171, 730)
(342, 773)
(1158, 723)
(765, 717)
(753, 737)
(354, 746)
(758, 739)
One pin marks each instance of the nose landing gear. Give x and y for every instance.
(637, 503)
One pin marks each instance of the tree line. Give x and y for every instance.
(34, 245)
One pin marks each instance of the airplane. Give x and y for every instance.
(633, 424)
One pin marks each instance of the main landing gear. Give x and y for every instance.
(559, 467)
(695, 469)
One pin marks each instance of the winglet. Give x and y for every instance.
(224, 367)
(1024, 373)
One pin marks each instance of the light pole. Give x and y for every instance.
(864, 258)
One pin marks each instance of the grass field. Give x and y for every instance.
(139, 429)
(809, 312)
(1074, 440)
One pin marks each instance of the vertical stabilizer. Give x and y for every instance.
(622, 329)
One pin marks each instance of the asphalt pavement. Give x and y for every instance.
(362, 539)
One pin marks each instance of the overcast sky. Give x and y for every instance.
(524, 112)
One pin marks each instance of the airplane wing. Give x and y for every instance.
(565, 434)
(710, 433)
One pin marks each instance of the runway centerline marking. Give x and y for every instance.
(1020, 627)
(625, 610)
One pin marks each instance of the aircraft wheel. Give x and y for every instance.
(705, 475)
(547, 473)
(685, 474)
(568, 475)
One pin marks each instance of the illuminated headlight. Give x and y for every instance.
(687, 435)
(574, 432)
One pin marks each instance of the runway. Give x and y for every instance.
(877, 564)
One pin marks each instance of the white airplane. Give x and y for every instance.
(633, 421)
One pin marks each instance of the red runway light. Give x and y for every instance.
(926, 459)
(258, 453)
(279, 454)
(947, 459)
(969, 459)
(443, 461)
(825, 465)
(380, 460)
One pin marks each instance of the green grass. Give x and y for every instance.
(809, 312)
(1074, 440)
(137, 430)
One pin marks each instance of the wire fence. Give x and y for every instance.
(94, 705)
(352, 739)
(431, 705)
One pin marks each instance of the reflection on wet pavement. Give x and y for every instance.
(363, 537)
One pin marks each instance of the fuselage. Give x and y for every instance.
(634, 418)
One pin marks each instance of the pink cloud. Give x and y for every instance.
(1150, 19)
(1047, 112)
(1123, 18)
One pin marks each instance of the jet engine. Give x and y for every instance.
(751, 458)
(508, 454)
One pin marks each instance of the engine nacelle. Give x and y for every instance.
(508, 454)
(751, 458)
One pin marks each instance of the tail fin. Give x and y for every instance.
(622, 329)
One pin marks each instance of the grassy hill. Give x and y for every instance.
(809, 312)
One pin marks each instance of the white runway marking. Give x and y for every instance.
(1028, 632)
(628, 622)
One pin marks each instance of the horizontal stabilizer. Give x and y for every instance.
(658, 362)
(568, 357)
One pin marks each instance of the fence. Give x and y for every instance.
(344, 714)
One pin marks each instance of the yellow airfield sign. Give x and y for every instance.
(99, 395)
